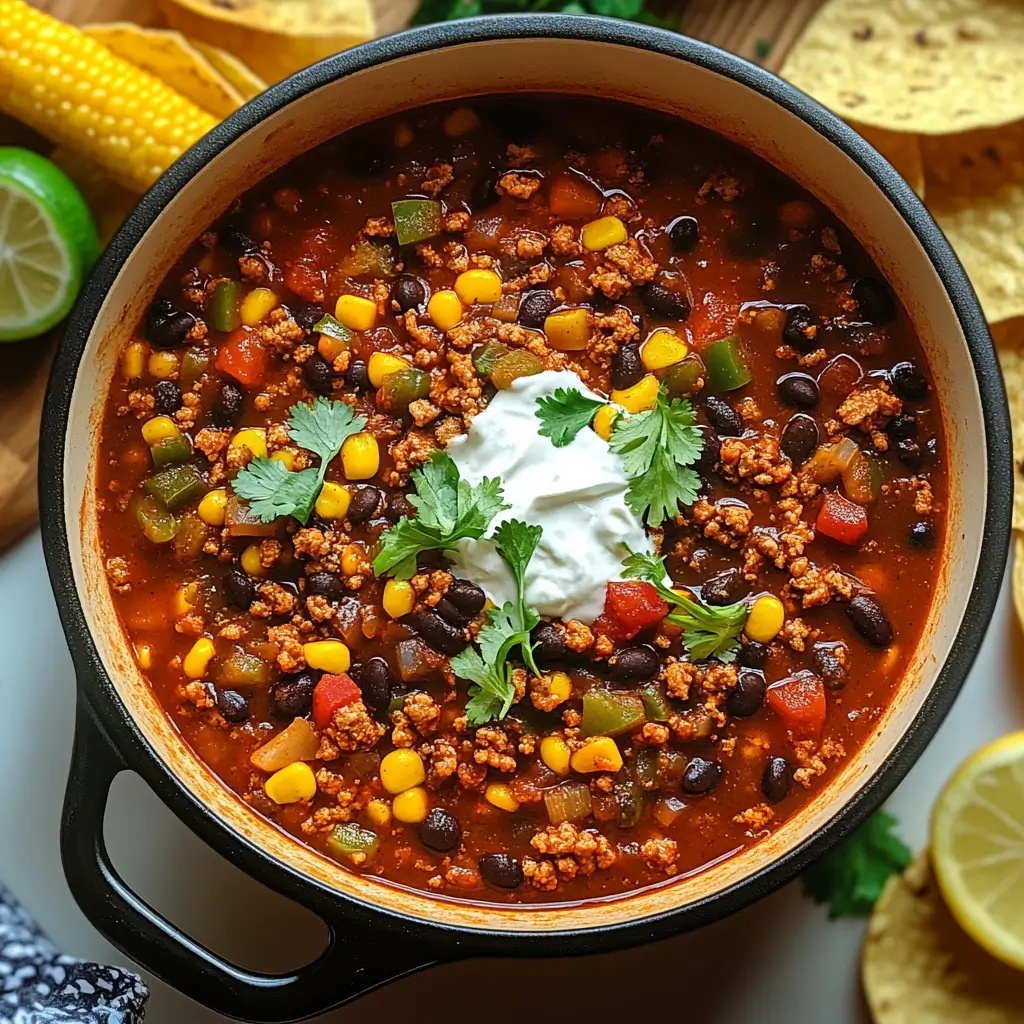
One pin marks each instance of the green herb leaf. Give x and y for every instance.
(323, 427)
(333, 328)
(851, 877)
(660, 491)
(564, 414)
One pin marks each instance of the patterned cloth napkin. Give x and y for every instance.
(39, 985)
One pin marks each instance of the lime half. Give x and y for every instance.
(48, 243)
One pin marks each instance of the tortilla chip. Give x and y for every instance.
(920, 967)
(928, 67)
(109, 202)
(901, 149)
(1009, 339)
(171, 58)
(238, 74)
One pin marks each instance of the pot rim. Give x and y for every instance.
(96, 689)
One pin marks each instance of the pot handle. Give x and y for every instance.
(344, 970)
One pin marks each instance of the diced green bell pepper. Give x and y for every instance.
(685, 378)
(727, 369)
(158, 525)
(190, 538)
(610, 714)
(353, 840)
(404, 386)
(486, 357)
(416, 219)
(194, 363)
(334, 328)
(511, 367)
(645, 768)
(656, 705)
(240, 668)
(224, 310)
(376, 258)
(176, 485)
(171, 450)
(629, 798)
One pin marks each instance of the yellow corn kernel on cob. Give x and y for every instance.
(74, 91)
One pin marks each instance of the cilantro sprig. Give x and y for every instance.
(708, 631)
(448, 509)
(506, 629)
(851, 877)
(564, 414)
(271, 489)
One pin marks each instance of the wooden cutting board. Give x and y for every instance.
(760, 30)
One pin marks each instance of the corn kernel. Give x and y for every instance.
(663, 348)
(401, 770)
(159, 428)
(360, 457)
(554, 752)
(499, 794)
(353, 559)
(399, 597)
(251, 561)
(285, 457)
(642, 395)
(403, 135)
(327, 655)
(604, 232)
(569, 330)
(356, 313)
(256, 306)
(253, 438)
(445, 309)
(604, 421)
(198, 659)
(461, 121)
(561, 686)
(163, 365)
(411, 806)
(599, 755)
(765, 619)
(133, 362)
(214, 506)
(383, 363)
(333, 501)
(144, 657)
(478, 287)
(291, 784)
(379, 813)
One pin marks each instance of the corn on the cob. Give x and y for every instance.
(71, 89)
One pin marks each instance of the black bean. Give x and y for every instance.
(723, 417)
(166, 326)
(800, 438)
(535, 306)
(684, 234)
(232, 705)
(228, 405)
(754, 654)
(902, 428)
(450, 613)
(922, 534)
(627, 367)
(440, 831)
(909, 453)
(830, 664)
(909, 381)
(467, 597)
(701, 776)
(748, 696)
(398, 507)
(483, 194)
(551, 649)
(292, 697)
(308, 315)
(501, 870)
(633, 664)
(166, 398)
(798, 389)
(875, 303)
(325, 584)
(356, 377)
(236, 241)
(869, 619)
(726, 588)
(364, 504)
(318, 375)
(665, 302)
(709, 452)
(375, 684)
(799, 329)
(776, 780)
(408, 292)
(239, 589)
(439, 634)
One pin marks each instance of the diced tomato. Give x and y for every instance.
(606, 625)
(841, 519)
(800, 702)
(244, 357)
(574, 198)
(331, 693)
(633, 605)
(306, 281)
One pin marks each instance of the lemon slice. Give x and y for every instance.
(47, 243)
(978, 847)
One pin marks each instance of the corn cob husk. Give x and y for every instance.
(74, 91)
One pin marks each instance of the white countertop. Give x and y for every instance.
(778, 961)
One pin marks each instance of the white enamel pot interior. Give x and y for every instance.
(557, 54)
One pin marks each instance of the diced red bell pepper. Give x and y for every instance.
(243, 356)
(800, 702)
(633, 605)
(306, 281)
(332, 693)
(841, 519)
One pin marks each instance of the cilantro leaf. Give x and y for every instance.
(516, 543)
(851, 877)
(272, 491)
(323, 427)
(661, 489)
(494, 691)
(448, 509)
(564, 414)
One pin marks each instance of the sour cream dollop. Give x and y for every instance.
(576, 493)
